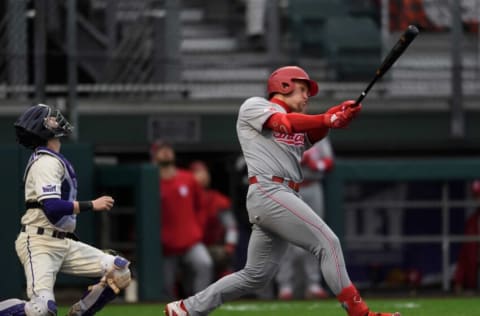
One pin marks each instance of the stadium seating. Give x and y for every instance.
(306, 21)
(352, 47)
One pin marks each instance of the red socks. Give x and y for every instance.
(352, 301)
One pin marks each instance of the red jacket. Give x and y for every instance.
(181, 206)
(214, 231)
(466, 272)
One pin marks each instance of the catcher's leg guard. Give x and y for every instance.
(41, 304)
(12, 307)
(116, 278)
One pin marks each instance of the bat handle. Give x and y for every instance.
(359, 99)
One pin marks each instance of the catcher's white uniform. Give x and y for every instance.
(46, 244)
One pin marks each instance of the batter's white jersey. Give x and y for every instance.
(49, 175)
(282, 151)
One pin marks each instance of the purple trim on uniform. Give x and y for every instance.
(67, 163)
(15, 310)
(31, 264)
(334, 253)
(120, 262)
(52, 307)
(106, 296)
(55, 209)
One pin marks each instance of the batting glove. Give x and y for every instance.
(341, 119)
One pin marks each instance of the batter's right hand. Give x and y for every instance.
(103, 203)
(345, 105)
(353, 110)
(341, 115)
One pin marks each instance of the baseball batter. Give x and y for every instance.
(46, 243)
(273, 135)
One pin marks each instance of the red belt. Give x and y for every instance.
(293, 185)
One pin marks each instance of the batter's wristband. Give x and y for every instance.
(85, 206)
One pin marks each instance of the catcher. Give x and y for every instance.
(46, 243)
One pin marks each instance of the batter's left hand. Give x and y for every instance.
(103, 203)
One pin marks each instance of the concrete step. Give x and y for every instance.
(225, 59)
(437, 61)
(424, 88)
(436, 42)
(203, 31)
(209, 45)
(230, 75)
(226, 90)
(244, 58)
(192, 15)
(433, 74)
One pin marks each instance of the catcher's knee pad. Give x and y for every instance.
(42, 304)
(116, 272)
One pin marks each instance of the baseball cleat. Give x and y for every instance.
(176, 308)
(285, 294)
(383, 314)
(315, 292)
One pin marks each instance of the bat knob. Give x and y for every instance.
(411, 31)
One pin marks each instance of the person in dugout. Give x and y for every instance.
(219, 223)
(181, 233)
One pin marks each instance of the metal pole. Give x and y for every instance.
(40, 47)
(172, 44)
(477, 3)
(273, 35)
(72, 65)
(385, 25)
(17, 43)
(445, 238)
(457, 122)
(111, 25)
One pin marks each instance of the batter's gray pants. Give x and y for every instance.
(278, 216)
(312, 194)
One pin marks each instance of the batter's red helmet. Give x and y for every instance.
(281, 80)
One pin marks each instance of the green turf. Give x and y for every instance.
(407, 306)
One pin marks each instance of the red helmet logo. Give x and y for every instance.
(281, 80)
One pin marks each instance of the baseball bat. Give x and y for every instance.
(397, 50)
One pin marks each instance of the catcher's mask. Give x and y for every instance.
(281, 81)
(40, 123)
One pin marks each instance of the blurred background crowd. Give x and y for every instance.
(136, 77)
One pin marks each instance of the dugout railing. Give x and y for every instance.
(446, 206)
(135, 188)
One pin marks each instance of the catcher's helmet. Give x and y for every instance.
(40, 123)
(281, 80)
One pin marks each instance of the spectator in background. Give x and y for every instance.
(316, 161)
(467, 274)
(219, 224)
(181, 223)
